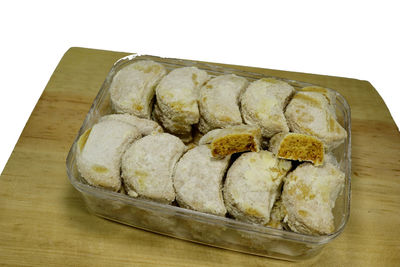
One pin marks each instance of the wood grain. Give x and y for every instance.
(43, 221)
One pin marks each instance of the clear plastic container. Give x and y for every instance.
(199, 227)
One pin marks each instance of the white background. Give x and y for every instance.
(341, 38)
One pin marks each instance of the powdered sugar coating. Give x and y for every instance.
(327, 93)
(310, 113)
(148, 164)
(219, 101)
(252, 184)
(178, 92)
(144, 126)
(133, 87)
(198, 181)
(309, 195)
(262, 104)
(100, 150)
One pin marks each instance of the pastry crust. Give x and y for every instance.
(148, 164)
(327, 93)
(219, 102)
(198, 181)
(309, 195)
(177, 96)
(100, 150)
(133, 87)
(252, 186)
(203, 126)
(310, 113)
(168, 124)
(295, 146)
(144, 126)
(183, 131)
(278, 213)
(234, 139)
(262, 104)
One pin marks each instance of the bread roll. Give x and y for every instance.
(148, 164)
(310, 113)
(100, 150)
(262, 104)
(219, 102)
(309, 195)
(198, 181)
(252, 186)
(177, 95)
(132, 88)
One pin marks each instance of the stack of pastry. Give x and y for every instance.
(188, 139)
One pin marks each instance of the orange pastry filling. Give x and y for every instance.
(302, 148)
(230, 144)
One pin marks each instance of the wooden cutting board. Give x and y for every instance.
(44, 222)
